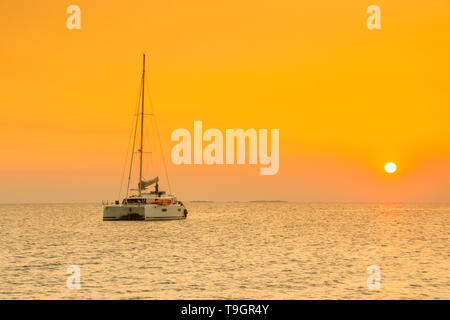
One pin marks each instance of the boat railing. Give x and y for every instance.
(109, 202)
(162, 201)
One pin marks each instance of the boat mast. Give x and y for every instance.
(142, 125)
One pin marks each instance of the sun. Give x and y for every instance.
(390, 167)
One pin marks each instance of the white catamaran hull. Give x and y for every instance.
(144, 212)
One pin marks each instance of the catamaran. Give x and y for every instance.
(152, 205)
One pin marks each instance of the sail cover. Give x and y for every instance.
(146, 183)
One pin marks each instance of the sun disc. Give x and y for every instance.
(390, 167)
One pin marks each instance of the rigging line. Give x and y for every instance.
(150, 163)
(164, 161)
(148, 135)
(134, 142)
(128, 151)
(159, 138)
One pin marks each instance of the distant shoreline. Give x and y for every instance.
(209, 201)
(268, 201)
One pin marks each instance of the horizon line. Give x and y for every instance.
(247, 201)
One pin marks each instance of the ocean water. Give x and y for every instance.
(227, 251)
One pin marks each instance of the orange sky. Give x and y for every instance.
(346, 99)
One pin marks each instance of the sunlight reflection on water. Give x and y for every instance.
(227, 251)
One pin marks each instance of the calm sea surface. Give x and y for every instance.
(227, 250)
